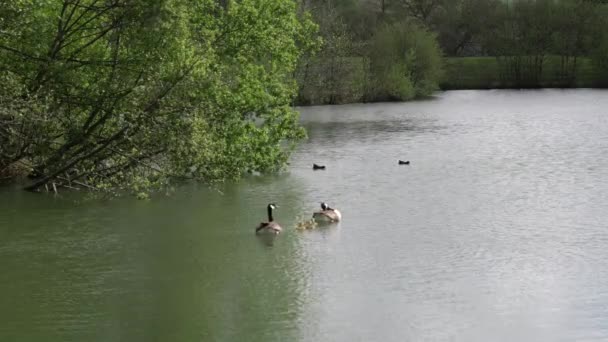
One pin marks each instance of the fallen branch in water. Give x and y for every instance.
(84, 185)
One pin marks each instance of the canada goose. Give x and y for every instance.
(401, 162)
(271, 226)
(327, 214)
(318, 167)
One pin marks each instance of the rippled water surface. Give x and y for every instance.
(497, 231)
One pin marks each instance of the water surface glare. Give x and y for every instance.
(497, 231)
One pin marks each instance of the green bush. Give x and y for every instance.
(405, 62)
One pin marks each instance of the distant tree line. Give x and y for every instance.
(393, 49)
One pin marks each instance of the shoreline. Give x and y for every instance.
(434, 96)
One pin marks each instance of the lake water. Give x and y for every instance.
(496, 231)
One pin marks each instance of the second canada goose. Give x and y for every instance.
(401, 162)
(327, 214)
(318, 167)
(271, 226)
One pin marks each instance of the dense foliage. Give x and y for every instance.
(135, 93)
(368, 57)
(404, 62)
(524, 43)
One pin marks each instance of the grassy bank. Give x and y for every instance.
(525, 72)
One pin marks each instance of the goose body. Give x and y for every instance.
(318, 167)
(327, 214)
(270, 226)
(401, 162)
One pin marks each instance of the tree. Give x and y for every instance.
(523, 40)
(405, 62)
(423, 10)
(576, 21)
(331, 75)
(136, 93)
(462, 24)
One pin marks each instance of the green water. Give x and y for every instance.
(495, 232)
(181, 268)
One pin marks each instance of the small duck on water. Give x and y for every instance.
(318, 167)
(327, 214)
(270, 226)
(401, 162)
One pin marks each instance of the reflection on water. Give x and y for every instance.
(335, 131)
(495, 232)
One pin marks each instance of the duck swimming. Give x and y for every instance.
(271, 226)
(318, 167)
(327, 214)
(401, 162)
